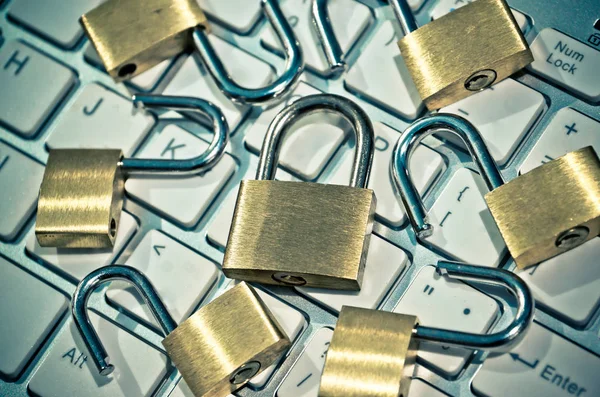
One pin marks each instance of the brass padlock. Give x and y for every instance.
(81, 194)
(551, 209)
(373, 352)
(131, 36)
(217, 350)
(297, 233)
(462, 52)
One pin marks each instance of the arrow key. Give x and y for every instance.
(181, 277)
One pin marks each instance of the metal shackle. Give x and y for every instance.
(204, 161)
(404, 16)
(275, 90)
(327, 38)
(82, 321)
(288, 116)
(409, 141)
(500, 340)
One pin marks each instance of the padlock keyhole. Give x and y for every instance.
(289, 279)
(113, 227)
(245, 373)
(572, 237)
(480, 80)
(127, 70)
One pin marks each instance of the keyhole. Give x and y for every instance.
(480, 80)
(572, 237)
(289, 279)
(113, 227)
(128, 69)
(245, 372)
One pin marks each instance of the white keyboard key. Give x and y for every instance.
(567, 62)
(310, 144)
(349, 20)
(292, 322)
(443, 7)
(99, 119)
(421, 389)
(384, 264)
(29, 310)
(57, 20)
(218, 231)
(69, 370)
(193, 79)
(380, 76)
(181, 277)
(144, 82)
(463, 226)
(184, 199)
(78, 263)
(450, 304)
(20, 179)
(304, 377)
(568, 131)
(32, 86)
(239, 15)
(542, 365)
(503, 114)
(568, 284)
(425, 165)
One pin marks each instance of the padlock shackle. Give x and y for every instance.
(409, 141)
(404, 16)
(327, 38)
(84, 291)
(497, 341)
(288, 116)
(203, 162)
(294, 64)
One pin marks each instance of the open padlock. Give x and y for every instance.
(131, 36)
(300, 233)
(376, 350)
(462, 52)
(214, 357)
(541, 214)
(82, 190)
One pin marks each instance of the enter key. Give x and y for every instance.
(568, 63)
(543, 364)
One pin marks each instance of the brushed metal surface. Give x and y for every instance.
(307, 231)
(533, 209)
(80, 199)
(131, 36)
(234, 329)
(443, 54)
(372, 353)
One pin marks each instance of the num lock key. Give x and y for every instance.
(300, 233)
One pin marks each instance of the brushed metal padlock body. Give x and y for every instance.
(370, 350)
(465, 51)
(131, 36)
(80, 199)
(551, 209)
(297, 233)
(225, 343)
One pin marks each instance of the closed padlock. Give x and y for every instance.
(131, 36)
(81, 195)
(551, 209)
(372, 352)
(462, 52)
(217, 350)
(300, 233)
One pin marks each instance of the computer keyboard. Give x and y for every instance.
(54, 93)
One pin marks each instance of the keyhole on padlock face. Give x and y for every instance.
(128, 69)
(480, 80)
(288, 279)
(245, 372)
(572, 237)
(113, 227)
